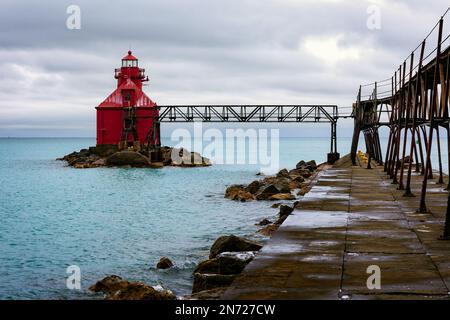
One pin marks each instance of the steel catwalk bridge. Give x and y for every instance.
(256, 114)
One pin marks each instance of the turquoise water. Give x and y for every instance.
(117, 221)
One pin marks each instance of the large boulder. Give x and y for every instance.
(204, 282)
(283, 184)
(210, 266)
(285, 210)
(312, 164)
(184, 158)
(127, 158)
(302, 172)
(267, 192)
(300, 164)
(298, 179)
(306, 173)
(244, 196)
(232, 243)
(99, 163)
(254, 186)
(166, 155)
(109, 284)
(284, 173)
(232, 191)
(294, 185)
(117, 288)
(239, 193)
(234, 262)
(225, 263)
(104, 150)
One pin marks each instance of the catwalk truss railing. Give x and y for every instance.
(413, 104)
(254, 114)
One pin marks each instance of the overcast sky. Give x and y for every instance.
(196, 52)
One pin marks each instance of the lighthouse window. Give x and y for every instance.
(128, 63)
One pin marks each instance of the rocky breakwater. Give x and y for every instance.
(110, 156)
(284, 186)
(228, 257)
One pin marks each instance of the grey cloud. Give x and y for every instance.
(195, 51)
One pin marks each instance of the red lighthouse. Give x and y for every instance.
(127, 117)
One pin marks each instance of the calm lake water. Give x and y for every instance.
(117, 221)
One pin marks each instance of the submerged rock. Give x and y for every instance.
(117, 288)
(268, 230)
(282, 196)
(232, 243)
(264, 222)
(164, 263)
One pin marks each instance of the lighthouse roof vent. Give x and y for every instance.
(129, 56)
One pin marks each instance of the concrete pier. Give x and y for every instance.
(351, 219)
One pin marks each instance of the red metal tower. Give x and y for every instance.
(127, 117)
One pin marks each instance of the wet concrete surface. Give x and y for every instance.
(351, 219)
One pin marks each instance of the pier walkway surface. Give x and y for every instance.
(351, 219)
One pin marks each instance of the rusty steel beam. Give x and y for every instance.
(418, 111)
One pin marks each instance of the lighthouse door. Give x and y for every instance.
(129, 132)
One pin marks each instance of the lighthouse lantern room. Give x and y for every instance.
(128, 117)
